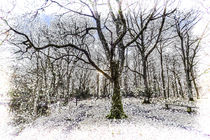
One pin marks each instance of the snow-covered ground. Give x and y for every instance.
(87, 121)
(6, 130)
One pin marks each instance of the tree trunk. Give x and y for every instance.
(162, 75)
(135, 79)
(98, 81)
(116, 111)
(158, 85)
(180, 86)
(168, 85)
(173, 88)
(195, 85)
(146, 87)
(189, 85)
(126, 84)
(126, 74)
(176, 87)
(98, 85)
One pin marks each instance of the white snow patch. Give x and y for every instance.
(87, 122)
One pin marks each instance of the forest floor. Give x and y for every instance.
(87, 121)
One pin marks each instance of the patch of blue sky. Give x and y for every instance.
(46, 18)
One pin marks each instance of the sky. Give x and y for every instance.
(22, 6)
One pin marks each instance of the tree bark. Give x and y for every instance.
(189, 85)
(180, 86)
(195, 85)
(162, 74)
(117, 107)
(146, 87)
(168, 81)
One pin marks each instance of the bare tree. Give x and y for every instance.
(148, 39)
(189, 45)
(110, 31)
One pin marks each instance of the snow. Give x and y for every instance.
(6, 131)
(204, 116)
(87, 121)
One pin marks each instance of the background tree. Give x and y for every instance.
(189, 45)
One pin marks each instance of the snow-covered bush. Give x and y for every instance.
(26, 106)
(21, 106)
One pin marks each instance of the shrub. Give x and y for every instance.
(82, 94)
(22, 106)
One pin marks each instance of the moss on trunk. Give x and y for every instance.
(116, 111)
(117, 107)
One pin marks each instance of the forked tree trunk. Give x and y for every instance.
(116, 111)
